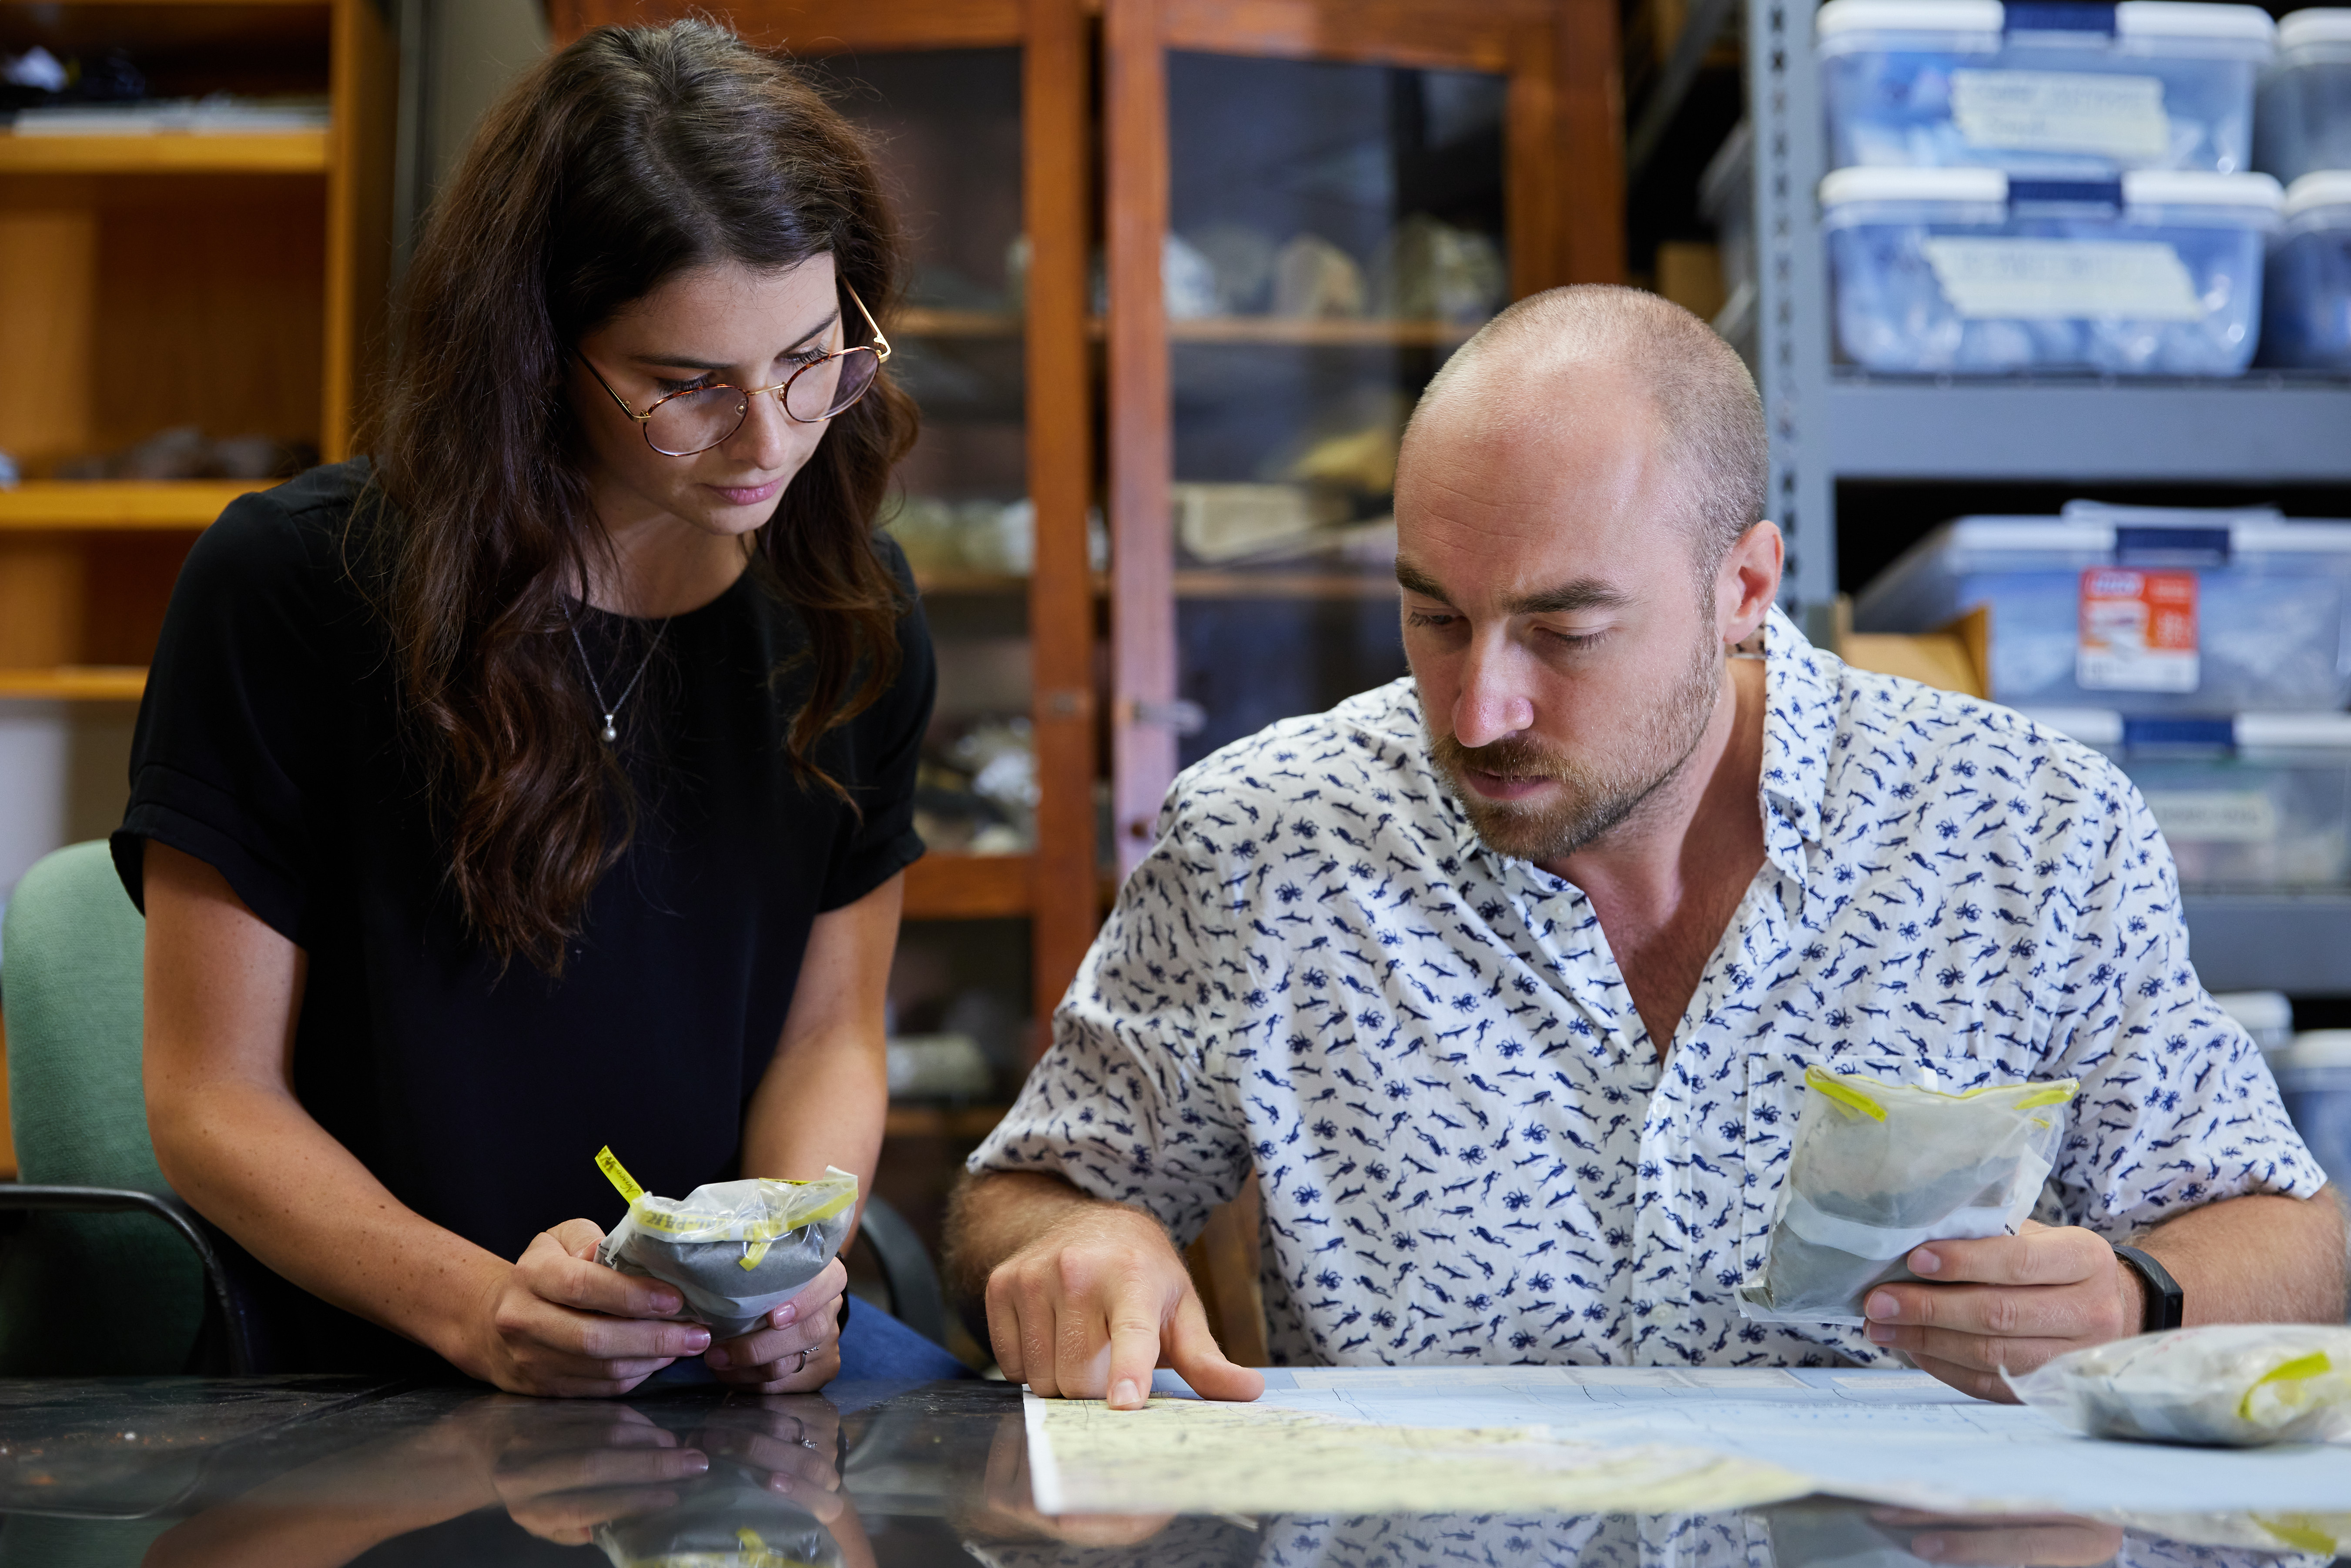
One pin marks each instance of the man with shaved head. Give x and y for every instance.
(1504, 978)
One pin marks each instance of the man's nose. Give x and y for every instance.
(1491, 706)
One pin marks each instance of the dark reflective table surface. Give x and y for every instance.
(321, 1471)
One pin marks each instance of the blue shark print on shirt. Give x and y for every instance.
(1468, 1146)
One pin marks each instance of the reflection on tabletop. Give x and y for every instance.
(164, 1472)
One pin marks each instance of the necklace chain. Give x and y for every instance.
(612, 711)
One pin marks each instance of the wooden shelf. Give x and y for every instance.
(166, 153)
(1330, 332)
(968, 887)
(970, 585)
(126, 504)
(1284, 585)
(76, 683)
(967, 1124)
(919, 321)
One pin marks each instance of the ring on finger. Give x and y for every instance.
(801, 1365)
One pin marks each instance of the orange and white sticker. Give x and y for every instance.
(2137, 631)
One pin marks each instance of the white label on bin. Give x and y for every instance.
(2031, 279)
(2116, 117)
(2137, 631)
(2214, 816)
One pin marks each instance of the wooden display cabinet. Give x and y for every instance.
(231, 282)
(981, 107)
(1360, 184)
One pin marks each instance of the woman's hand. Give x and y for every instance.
(798, 1351)
(561, 1470)
(559, 1322)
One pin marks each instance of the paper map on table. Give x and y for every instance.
(1615, 1439)
(1191, 1455)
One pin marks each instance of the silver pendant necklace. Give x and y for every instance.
(612, 710)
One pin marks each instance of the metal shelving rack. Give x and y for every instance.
(1829, 423)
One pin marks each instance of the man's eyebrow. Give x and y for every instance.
(687, 362)
(1412, 580)
(1584, 593)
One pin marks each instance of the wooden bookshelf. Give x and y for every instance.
(126, 505)
(167, 152)
(76, 683)
(920, 321)
(1336, 332)
(964, 1123)
(970, 887)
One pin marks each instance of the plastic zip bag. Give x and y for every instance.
(736, 1249)
(1879, 1168)
(2236, 1384)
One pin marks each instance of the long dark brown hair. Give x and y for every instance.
(632, 155)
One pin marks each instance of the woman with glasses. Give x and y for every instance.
(546, 782)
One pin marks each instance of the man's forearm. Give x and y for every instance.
(994, 1215)
(2263, 1259)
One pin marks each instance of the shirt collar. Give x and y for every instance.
(1799, 702)
(1799, 722)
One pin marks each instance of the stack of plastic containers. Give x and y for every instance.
(2303, 136)
(2045, 186)
(2208, 652)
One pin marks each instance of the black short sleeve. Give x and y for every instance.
(226, 748)
(888, 743)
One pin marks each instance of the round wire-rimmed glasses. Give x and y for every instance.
(695, 419)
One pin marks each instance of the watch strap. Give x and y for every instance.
(2167, 1303)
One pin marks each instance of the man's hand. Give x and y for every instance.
(2006, 1301)
(798, 1351)
(1094, 1302)
(560, 1322)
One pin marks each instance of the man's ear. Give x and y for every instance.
(1747, 581)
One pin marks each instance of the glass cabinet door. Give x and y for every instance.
(1335, 230)
(1309, 207)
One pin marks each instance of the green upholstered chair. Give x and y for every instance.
(102, 1268)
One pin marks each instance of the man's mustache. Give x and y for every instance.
(1513, 756)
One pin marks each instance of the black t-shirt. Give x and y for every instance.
(270, 746)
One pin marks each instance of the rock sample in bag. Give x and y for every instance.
(1879, 1168)
(736, 1249)
(1428, 270)
(1315, 280)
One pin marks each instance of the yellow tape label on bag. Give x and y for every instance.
(1851, 1099)
(618, 1174)
(2315, 1364)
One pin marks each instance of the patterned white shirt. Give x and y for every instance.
(1469, 1149)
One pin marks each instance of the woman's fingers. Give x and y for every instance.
(795, 1327)
(559, 1266)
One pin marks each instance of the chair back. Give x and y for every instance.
(79, 1292)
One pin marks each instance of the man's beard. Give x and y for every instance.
(1592, 799)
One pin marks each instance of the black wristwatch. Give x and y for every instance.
(2167, 1303)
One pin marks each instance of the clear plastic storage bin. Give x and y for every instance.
(2257, 802)
(2057, 89)
(2313, 1079)
(2301, 119)
(2306, 294)
(2142, 611)
(1974, 272)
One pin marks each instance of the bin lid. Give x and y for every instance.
(2318, 1048)
(2109, 730)
(2133, 19)
(2326, 188)
(2258, 194)
(2321, 25)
